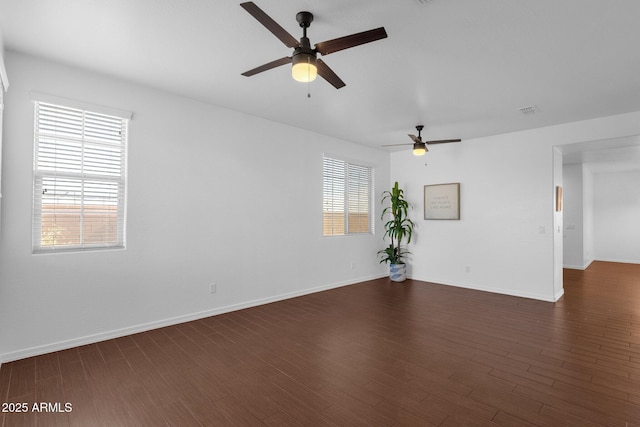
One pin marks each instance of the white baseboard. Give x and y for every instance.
(558, 295)
(623, 261)
(578, 267)
(512, 293)
(117, 333)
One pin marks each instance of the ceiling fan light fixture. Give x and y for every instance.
(304, 67)
(419, 148)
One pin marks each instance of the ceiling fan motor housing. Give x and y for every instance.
(303, 59)
(304, 53)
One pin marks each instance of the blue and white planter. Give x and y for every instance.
(398, 272)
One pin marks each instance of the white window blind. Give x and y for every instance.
(79, 179)
(347, 191)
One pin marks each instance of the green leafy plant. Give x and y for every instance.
(397, 227)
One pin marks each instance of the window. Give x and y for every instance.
(79, 179)
(347, 190)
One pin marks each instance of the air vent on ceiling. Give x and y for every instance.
(424, 1)
(529, 109)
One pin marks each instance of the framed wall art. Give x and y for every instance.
(442, 201)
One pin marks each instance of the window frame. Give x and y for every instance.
(108, 174)
(347, 203)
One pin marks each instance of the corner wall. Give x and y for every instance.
(588, 248)
(574, 208)
(201, 209)
(616, 210)
(601, 216)
(504, 241)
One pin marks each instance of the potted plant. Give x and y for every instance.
(397, 227)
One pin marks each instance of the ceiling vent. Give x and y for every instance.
(424, 1)
(529, 109)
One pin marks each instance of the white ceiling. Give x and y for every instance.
(611, 155)
(464, 68)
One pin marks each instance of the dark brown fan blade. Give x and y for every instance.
(346, 42)
(415, 138)
(268, 66)
(270, 24)
(396, 145)
(443, 141)
(328, 74)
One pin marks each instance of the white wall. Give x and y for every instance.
(4, 83)
(616, 212)
(506, 233)
(558, 225)
(214, 195)
(601, 211)
(203, 208)
(3, 71)
(588, 240)
(573, 216)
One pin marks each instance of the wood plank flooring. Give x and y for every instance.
(375, 354)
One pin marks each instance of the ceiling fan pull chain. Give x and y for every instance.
(308, 72)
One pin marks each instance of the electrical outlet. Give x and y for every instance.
(467, 269)
(353, 265)
(212, 288)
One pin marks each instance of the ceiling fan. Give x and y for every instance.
(306, 65)
(420, 146)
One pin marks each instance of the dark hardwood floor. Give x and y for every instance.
(374, 353)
